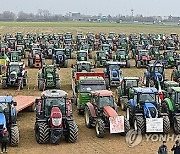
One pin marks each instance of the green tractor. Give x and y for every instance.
(48, 78)
(101, 58)
(124, 92)
(83, 84)
(154, 52)
(171, 106)
(122, 57)
(167, 85)
(82, 55)
(88, 48)
(15, 56)
(21, 49)
(175, 75)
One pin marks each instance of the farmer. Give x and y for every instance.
(163, 148)
(176, 147)
(5, 139)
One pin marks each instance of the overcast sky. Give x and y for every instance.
(113, 7)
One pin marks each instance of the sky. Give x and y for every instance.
(94, 7)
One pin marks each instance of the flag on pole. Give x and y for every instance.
(6, 57)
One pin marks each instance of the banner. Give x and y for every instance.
(116, 124)
(154, 125)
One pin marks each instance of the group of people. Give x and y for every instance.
(164, 150)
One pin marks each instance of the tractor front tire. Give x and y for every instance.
(58, 85)
(14, 136)
(166, 124)
(138, 64)
(129, 113)
(139, 124)
(42, 133)
(4, 84)
(126, 126)
(100, 128)
(88, 117)
(41, 85)
(124, 103)
(128, 65)
(72, 132)
(176, 124)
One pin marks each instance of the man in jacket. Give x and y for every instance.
(176, 147)
(163, 148)
(5, 139)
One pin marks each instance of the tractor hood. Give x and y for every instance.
(84, 98)
(109, 111)
(150, 110)
(159, 77)
(2, 121)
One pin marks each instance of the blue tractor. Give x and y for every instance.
(154, 75)
(145, 107)
(8, 119)
(113, 74)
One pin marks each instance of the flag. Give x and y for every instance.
(6, 57)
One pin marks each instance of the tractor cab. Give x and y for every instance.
(88, 48)
(21, 49)
(154, 52)
(11, 43)
(167, 86)
(107, 49)
(83, 66)
(15, 56)
(82, 55)
(59, 58)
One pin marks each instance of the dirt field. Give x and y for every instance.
(87, 141)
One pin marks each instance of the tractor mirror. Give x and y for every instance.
(15, 103)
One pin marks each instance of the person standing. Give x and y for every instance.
(176, 147)
(5, 139)
(163, 148)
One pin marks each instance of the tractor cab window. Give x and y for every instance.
(3, 107)
(106, 101)
(158, 69)
(131, 83)
(58, 102)
(19, 48)
(60, 52)
(177, 97)
(106, 48)
(82, 67)
(91, 87)
(114, 67)
(147, 98)
(82, 54)
(143, 53)
(121, 52)
(36, 52)
(169, 54)
(14, 68)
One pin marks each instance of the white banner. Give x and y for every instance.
(154, 125)
(116, 124)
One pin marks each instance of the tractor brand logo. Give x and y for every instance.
(133, 138)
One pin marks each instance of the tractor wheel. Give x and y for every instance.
(176, 124)
(58, 85)
(173, 76)
(126, 126)
(42, 133)
(129, 114)
(90, 55)
(100, 128)
(41, 85)
(4, 84)
(98, 64)
(88, 117)
(14, 136)
(20, 83)
(31, 63)
(124, 102)
(117, 98)
(165, 108)
(151, 83)
(107, 83)
(65, 64)
(72, 132)
(139, 124)
(166, 124)
(138, 64)
(128, 65)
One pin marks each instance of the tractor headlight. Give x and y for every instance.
(56, 121)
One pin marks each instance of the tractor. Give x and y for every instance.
(101, 110)
(171, 106)
(15, 56)
(15, 75)
(142, 58)
(35, 58)
(113, 74)
(154, 75)
(143, 111)
(59, 58)
(69, 52)
(88, 48)
(82, 55)
(106, 48)
(122, 57)
(101, 58)
(48, 78)
(54, 118)
(12, 43)
(83, 84)
(175, 75)
(49, 51)
(154, 52)
(124, 91)
(8, 115)
(21, 49)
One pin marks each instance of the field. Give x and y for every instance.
(87, 141)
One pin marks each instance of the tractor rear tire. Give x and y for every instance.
(117, 100)
(98, 64)
(165, 108)
(139, 124)
(58, 85)
(100, 128)
(65, 64)
(129, 113)
(14, 136)
(166, 124)
(128, 65)
(124, 103)
(138, 64)
(42, 133)
(176, 124)
(4, 84)
(31, 63)
(88, 118)
(127, 126)
(41, 85)
(72, 132)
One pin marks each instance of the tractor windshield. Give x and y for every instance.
(158, 69)
(84, 66)
(36, 52)
(91, 87)
(131, 83)
(106, 101)
(60, 52)
(114, 67)
(147, 98)
(3, 106)
(56, 102)
(14, 68)
(143, 53)
(82, 54)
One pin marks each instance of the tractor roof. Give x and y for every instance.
(113, 63)
(6, 99)
(171, 83)
(176, 89)
(54, 93)
(16, 63)
(145, 90)
(91, 78)
(131, 78)
(82, 51)
(102, 93)
(159, 65)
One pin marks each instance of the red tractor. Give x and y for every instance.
(142, 58)
(54, 119)
(35, 58)
(101, 113)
